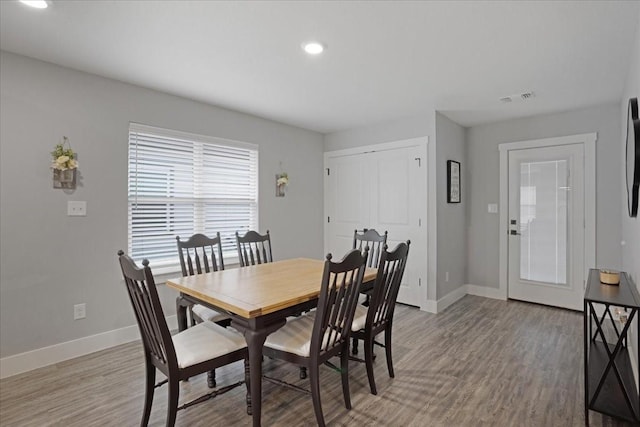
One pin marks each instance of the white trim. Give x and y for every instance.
(582, 138)
(451, 298)
(589, 142)
(45, 356)
(430, 306)
(590, 210)
(433, 306)
(503, 204)
(385, 146)
(486, 292)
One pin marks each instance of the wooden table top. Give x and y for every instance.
(260, 289)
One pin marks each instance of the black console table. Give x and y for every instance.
(609, 382)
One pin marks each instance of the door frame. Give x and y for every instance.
(428, 209)
(588, 140)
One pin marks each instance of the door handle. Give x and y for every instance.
(514, 233)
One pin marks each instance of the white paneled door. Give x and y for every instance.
(384, 190)
(546, 225)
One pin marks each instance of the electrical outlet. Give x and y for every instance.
(446, 276)
(76, 208)
(79, 311)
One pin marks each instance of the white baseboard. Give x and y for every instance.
(431, 306)
(27, 361)
(450, 298)
(483, 291)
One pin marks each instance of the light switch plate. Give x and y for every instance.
(75, 208)
(492, 208)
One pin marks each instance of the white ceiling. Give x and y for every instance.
(384, 61)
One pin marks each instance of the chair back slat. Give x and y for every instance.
(152, 331)
(341, 282)
(254, 248)
(205, 253)
(146, 305)
(387, 285)
(371, 238)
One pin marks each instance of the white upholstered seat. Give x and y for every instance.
(360, 318)
(295, 336)
(206, 313)
(205, 341)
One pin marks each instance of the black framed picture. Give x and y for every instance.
(633, 157)
(453, 181)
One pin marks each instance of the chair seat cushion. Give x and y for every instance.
(360, 318)
(294, 337)
(206, 313)
(205, 341)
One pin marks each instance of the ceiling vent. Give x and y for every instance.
(524, 96)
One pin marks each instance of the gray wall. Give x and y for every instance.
(452, 218)
(49, 261)
(630, 226)
(483, 182)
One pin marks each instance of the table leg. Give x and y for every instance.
(181, 312)
(587, 340)
(255, 341)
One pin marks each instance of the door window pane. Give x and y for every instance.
(544, 193)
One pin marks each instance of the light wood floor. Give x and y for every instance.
(480, 363)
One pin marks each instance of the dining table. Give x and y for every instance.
(258, 298)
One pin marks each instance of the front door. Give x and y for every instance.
(546, 225)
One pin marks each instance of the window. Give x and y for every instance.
(181, 184)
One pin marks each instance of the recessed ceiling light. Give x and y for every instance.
(313, 48)
(38, 4)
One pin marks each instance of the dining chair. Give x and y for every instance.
(254, 248)
(368, 322)
(201, 254)
(313, 338)
(375, 241)
(194, 351)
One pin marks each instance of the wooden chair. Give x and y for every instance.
(194, 351)
(201, 254)
(254, 248)
(378, 318)
(369, 237)
(314, 338)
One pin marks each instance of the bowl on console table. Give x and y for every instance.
(609, 277)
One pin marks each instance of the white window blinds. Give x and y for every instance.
(181, 184)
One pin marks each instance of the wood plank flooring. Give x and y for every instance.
(482, 362)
